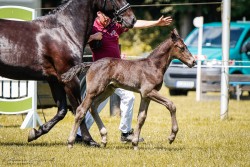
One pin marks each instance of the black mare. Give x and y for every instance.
(48, 46)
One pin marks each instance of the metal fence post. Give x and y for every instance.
(115, 105)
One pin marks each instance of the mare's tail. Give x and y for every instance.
(77, 69)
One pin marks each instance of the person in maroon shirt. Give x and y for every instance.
(109, 37)
(109, 34)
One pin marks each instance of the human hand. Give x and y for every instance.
(164, 21)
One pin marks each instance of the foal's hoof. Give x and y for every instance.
(135, 145)
(103, 144)
(171, 139)
(32, 135)
(70, 146)
(136, 148)
(91, 143)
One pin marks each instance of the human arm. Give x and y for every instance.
(162, 21)
(96, 36)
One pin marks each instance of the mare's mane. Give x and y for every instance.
(47, 18)
(62, 6)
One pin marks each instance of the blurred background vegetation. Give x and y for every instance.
(138, 41)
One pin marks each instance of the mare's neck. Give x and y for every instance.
(77, 18)
(161, 55)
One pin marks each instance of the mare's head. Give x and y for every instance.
(180, 51)
(119, 10)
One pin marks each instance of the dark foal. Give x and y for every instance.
(48, 46)
(144, 76)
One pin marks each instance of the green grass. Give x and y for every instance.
(203, 139)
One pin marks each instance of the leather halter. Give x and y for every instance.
(118, 12)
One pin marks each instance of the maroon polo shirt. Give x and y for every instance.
(110, 41)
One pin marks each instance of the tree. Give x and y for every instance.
(182, 11)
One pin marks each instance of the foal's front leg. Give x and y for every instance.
(98, 104)
(155, 96)
(142, 115)
(73, 91)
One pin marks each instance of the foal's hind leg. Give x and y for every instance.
(140, 121)
(155, 96)
(79, 116)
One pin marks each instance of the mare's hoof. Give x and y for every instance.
(32, 135)
(91, 143)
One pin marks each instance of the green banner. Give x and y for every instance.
(15, 13)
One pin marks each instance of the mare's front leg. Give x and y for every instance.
(155, 96)
(142, 115)
(59, 96)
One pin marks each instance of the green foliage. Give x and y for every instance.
(240, 9)
(138, 41)
(146, 39)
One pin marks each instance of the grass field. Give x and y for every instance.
(203, 139)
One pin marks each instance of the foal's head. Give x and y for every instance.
(180, 51)
(119, 10)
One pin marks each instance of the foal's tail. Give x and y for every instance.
(77, 69)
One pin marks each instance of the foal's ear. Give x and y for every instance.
(174, 35)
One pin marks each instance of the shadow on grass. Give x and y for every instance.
(41, 144)
(9, 126)
(163, 148)
(142, 146)
(117, 146)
